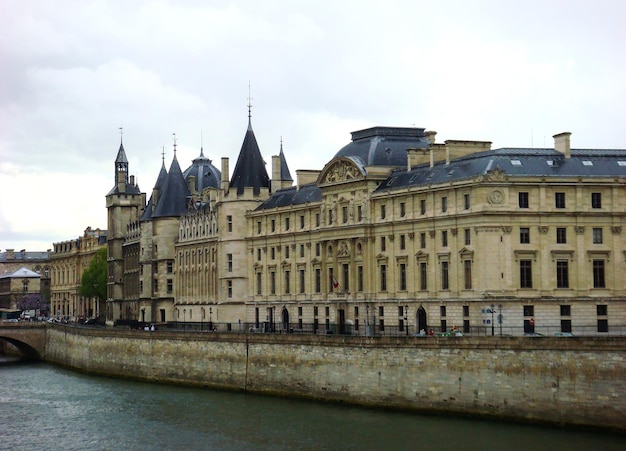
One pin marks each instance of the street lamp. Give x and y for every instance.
(493, 326)
(500, 317)
(202, 319)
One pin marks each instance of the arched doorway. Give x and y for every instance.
(285, 319)
(421, 319)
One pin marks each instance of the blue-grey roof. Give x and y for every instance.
(284, 169)
(250, 169)
(292, 196)
(25, 255)
(122, 161)
(205, 173)
(174, 195)
(384, 146)
(514, 162)
(147, 213)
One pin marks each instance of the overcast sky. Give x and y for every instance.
(74, 72)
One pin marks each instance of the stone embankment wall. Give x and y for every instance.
(572, 381)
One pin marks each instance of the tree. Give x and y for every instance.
(93, 282)
(33, 301)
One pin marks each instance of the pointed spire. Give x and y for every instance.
(201, 144)
(249, 108)
(174, 139)
(284, 169)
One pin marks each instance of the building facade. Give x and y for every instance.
(12, 260)
(68, 261)
(17, 284)
(396, 234)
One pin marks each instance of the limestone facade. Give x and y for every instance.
(68, 261)
(406, 235)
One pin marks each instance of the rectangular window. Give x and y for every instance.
(272, 282)
(598, 274)
(562, 274)
(229, 259)
(528, 310)
(523, 200)
(273, 226)
(402, 277)
(259, 285)
(566, 310)
(299, 311)
(287, 223)
(258, 227)
(444, 204)
(229, 287)
(346, 277)
(423, 206)
(467, 274)
(383, 277)
(315, 311)
(155, 286)
(356, 311)
(561, 235)
(317, 219)
(596, 200)
(443, 311)
(359, 213)
(402, 242)
(402, 209)
(383, 211)
(383, 244)
(302, 221)
(258, 254)
(559, 200)
(381, 311)
(466, 201)
(466, 311)
(287, 251)
(525, 274)
(444, 238)
(302, 250)
(330, 216)
(318, 280)
(170, 267)
(301, 272)
(332, 283)
(170, 286)
(597, 235)
(287, 282)
(445, 283)
(423, 277)
(273, 253)
(359, 273)
(468, 236)
(423, 240)
(229, 220)
(344, 214)
(318, 249)
(524, 235)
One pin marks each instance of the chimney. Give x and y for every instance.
(275, 183)
(430, 135)
(224, 184)
(132, 180)
(191, 184)
(10, 254)
(562, 144)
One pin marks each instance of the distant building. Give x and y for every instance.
(67, 264)
(15, 285)
(11, 261)
(395, 234)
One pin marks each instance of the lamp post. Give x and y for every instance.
(493, 326)
(184, 319)
(211, 318)
(202, 319)
(500, 317)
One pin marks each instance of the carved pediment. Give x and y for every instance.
(421, 255)
(341, 170)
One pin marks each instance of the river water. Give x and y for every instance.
(43, 407)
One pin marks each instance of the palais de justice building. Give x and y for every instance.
(397, 233)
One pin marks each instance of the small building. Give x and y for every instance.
(15, 285)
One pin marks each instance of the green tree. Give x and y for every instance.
(93, 283)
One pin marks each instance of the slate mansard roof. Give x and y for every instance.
(292, 196)
(383, 146)
(514, 162)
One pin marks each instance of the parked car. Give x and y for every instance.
(563, 334)
(533, 334)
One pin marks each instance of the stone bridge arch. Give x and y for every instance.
(29, 339)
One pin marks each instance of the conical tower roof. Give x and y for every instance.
(250, 169)
(285, 175)
(174, 194)
(158, 186)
